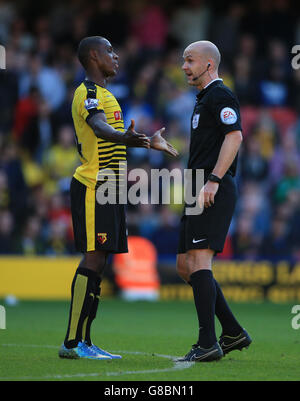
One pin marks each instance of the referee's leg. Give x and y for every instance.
(190, 262)
(199, 267)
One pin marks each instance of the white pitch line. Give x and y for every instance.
(176, 366)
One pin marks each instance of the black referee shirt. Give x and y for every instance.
(216, 113)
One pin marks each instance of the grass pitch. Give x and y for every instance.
(147, 335)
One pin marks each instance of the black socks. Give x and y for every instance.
(210, 301)
(204, 290)
(229, 324)
(92, 315)
(84, 303)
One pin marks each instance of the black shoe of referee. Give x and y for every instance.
(239, 342)
(198, 354)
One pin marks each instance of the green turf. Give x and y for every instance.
(140, 331)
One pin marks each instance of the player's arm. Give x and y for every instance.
(103, 130)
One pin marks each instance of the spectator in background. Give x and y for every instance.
(254, 203)
(190, 22)
(149, 26)
(266, 132)
(13, 189)
(244, 85)
(58, 243)
(226, 30)
(59, 213)
(276, 245)
(108, 20)
(165, 236)
(254, 167)
(289, 182)
(244, 244)
(6, 233)
(61, 159)
(30, 243)
(4, 191)
(46, 78)
(25, 111)
(274, 90)
(9, 87)
(286, 150)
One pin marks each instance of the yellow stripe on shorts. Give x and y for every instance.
(90, 218)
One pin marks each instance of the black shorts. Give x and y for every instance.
(96, 226)
(209, 229)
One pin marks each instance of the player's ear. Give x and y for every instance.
(94, 55)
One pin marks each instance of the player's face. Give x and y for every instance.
(193, 66)
(108, 60)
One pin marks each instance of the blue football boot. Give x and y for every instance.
(102, 352)
(82, 351)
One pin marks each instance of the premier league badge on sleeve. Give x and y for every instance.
(195, 121)
(91, 103)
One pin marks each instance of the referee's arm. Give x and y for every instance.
(228, 152)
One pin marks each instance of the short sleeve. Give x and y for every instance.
(226, 110)
(90, 103)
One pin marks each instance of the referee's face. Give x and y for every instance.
(108, 60)
(194, 64)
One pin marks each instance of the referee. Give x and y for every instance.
(215, 140)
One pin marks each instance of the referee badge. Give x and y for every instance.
(228, 116)
(195, 121)
(102, 238)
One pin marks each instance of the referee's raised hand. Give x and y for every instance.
(134, 139)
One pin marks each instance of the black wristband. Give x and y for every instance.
(214, 178)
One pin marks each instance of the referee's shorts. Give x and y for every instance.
(209, 229)
(96, 226)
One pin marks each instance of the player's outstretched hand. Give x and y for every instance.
(159, 143)
(134, 139)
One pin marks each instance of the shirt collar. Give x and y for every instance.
(213, 82)
(216, 79)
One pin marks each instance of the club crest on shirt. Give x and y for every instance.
(228, 116)
(195, 120)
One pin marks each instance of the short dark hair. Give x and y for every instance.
(84, 47)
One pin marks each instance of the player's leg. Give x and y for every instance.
(86, 280)
(95, 261)
(109, 236)
(84, 286)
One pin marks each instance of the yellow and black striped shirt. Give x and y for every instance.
(101, 160)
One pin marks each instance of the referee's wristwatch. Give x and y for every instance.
(214, 178)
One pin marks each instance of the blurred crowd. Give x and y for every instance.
(38, 153)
